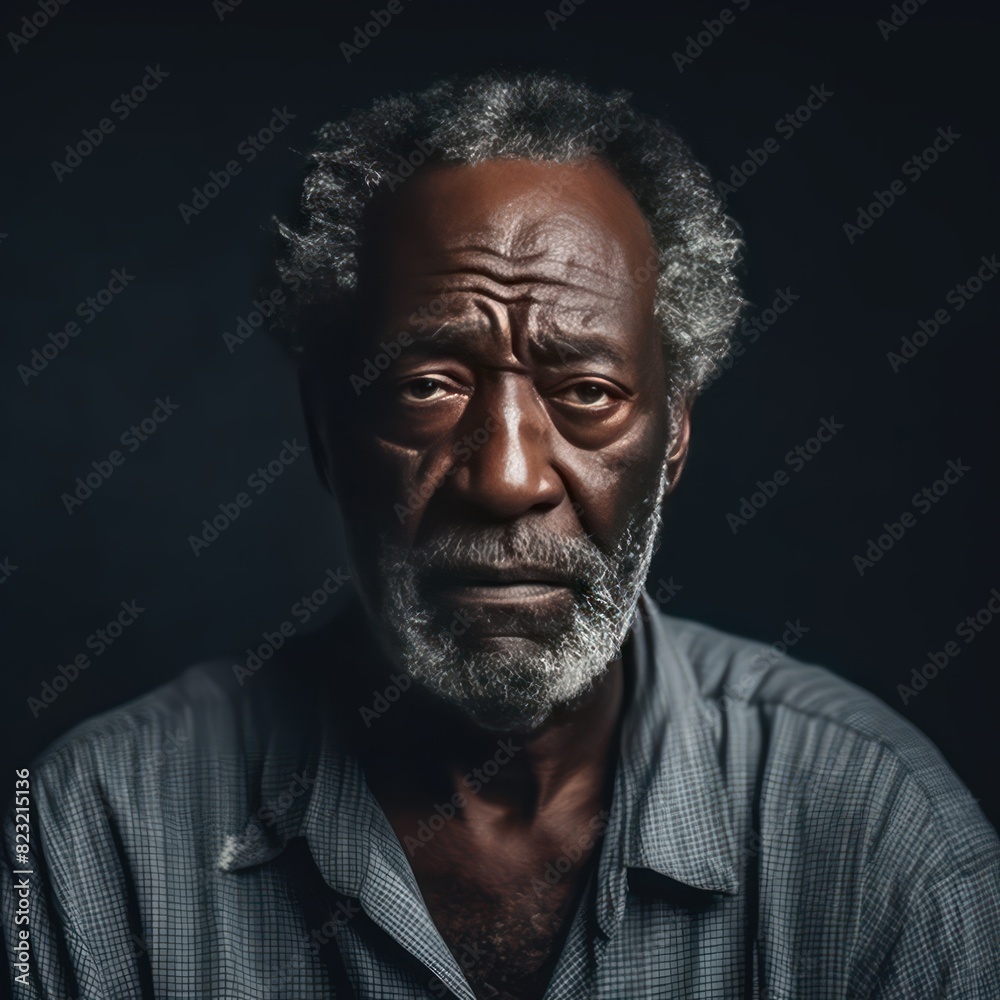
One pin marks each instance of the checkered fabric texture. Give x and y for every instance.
(775, 833)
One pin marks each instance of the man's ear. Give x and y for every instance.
(680, 420)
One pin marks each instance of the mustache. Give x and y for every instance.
(515, 552)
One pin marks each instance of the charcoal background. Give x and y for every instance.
(825, 357)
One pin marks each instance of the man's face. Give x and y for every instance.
(500, 480)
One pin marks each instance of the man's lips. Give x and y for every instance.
(507, 593)
(498, 584)
(496, 575)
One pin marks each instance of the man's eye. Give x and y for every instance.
(422, 389)
(586, 394)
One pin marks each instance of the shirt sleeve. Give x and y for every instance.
(880, 869)
(72, 904)
(37, 931)
(949, 946)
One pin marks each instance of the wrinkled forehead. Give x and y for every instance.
(573, 226)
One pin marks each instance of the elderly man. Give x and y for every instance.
(503, 773)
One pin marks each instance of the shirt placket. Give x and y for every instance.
(377, 874)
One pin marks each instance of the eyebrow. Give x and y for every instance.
(551, 345)
(548, 346)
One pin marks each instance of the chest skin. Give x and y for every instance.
(502, 896)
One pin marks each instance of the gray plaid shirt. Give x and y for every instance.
(774, 832)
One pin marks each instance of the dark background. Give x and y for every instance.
(826, 357)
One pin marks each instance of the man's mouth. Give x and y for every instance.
(507, 585)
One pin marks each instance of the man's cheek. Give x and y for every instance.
(366, 482)
(607, 487)
(404, 482)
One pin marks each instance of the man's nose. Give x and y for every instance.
(503, 454)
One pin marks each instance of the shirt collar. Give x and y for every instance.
(674, 810)
(669, 814)
(307, 785)
(312, 788)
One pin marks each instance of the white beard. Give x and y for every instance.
(517, 687)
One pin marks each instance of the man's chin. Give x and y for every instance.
(505, 715)
(500, 685)
(502, 643)
(503, 719)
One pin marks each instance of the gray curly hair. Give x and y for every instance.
(538, 116)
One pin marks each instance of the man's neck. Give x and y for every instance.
(428, 751)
